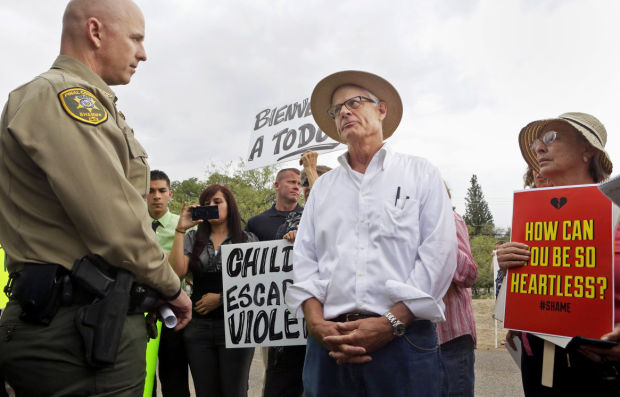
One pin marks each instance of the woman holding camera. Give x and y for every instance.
(216, 370)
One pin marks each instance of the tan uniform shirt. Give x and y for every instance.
(73, 179)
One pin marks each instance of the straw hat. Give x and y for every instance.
(589, 126)
(321, 99)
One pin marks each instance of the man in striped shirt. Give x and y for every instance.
(457, 335)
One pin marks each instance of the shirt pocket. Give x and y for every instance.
(400, 221)
(138, 168)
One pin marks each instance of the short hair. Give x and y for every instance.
(282, 171)
(157, 175)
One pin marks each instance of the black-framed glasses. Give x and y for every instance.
(351, 104)
(547, 138)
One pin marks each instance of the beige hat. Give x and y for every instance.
(589, 126)
(321, 99)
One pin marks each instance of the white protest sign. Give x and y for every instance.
(284, 133)
(255, 278)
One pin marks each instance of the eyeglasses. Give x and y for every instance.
(351, 104)
(548, 138)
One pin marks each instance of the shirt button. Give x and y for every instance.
(360, 303)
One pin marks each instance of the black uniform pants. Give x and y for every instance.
(173, 365)
(283, 377)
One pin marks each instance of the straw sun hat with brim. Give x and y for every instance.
(588, 125)
(321, 99)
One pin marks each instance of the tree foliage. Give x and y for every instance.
(477, 213)
(253, 189)
(481, 248)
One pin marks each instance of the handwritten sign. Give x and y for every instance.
(284, 133)
(255, 278)
(566, 288)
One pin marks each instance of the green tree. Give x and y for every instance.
(187, 191)
(481, 248)
(253, 189)
(477, 213)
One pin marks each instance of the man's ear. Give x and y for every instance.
(171, 193)
(382, 107)
(94, 28)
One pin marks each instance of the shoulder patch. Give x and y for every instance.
(82, 105)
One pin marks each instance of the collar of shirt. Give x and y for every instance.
(166, 220)
(380, 160)
(72, 65)
(274, 212)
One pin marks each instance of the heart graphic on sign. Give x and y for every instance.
(558, 203)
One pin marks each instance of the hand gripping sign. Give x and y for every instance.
(566, 288)
(255, 278)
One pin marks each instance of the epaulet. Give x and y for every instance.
(83, 106)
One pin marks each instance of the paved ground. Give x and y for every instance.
(496, 375)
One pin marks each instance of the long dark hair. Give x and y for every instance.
(233, 221)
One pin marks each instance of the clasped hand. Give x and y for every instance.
(352, 342)
(207, 303)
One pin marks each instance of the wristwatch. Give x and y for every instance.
(398, 328)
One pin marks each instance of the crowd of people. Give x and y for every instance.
(382, 264)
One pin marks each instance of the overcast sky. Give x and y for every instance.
(471, 74)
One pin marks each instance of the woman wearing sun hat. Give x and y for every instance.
(567, 150)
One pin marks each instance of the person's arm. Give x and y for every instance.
(318, 327)
(306, 278)
(308, 160)
(466, 269)
(178, 260)
(435, 260)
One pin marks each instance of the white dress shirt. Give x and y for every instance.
(360, 249)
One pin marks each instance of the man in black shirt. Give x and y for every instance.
(288, 188)
(284, 364)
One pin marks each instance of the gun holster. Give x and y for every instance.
(101, 323)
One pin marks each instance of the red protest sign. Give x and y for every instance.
(566, 288)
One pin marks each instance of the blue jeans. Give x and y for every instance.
(408, 366)
(458, 358)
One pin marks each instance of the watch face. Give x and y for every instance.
(399, 330)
